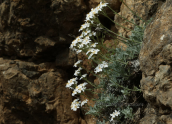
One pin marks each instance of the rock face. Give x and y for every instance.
(35, 60)
(155, 60)
(32, 93)
(36, 63)
(30, 29)
(144, 9)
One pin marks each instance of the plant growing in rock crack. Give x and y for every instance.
(112, 68)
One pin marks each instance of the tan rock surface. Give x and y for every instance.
(155, 61)
(31, 95)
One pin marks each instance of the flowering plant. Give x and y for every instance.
(112, 69)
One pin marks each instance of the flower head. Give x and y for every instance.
(94, 44)
(89, 16)
(94, 51)
(101, 66)
(86, 40)
(116, 113)
(77, 71)
(79, 61)
(83, 76)
(71, 82)
(104, 64)
(84, 26)
(75, 104)
(83, 102)
(79, 89)
(73, 44)
(98, 69)
(78, 51)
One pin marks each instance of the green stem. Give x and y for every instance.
(116, 34)
(84, 95)
(124, 87)
(122, 17)
(116, 22)
(111, 51)
(90, 83)
(91, 91)
(133, 11)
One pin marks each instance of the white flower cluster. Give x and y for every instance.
(76, 104)
(95, 11)
(100, 67)
(79, 88)
(79, 44)
(116, 113)
(84, 40)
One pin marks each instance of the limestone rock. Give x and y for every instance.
(38, 30)
(40, 98)
(155, 63)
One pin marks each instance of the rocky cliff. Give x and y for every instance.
(36, 63)
(35, 60)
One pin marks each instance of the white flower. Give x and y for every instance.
(104, 4)
(78, 51)
(94, 11)
(79, 89)
(74, 92)
(78, 39)
(90, 55)
(73, 44)
(79, 61)
(82, 34)
(83, 102)
(98, 27)
(86, 32)
(116, 113)
(92, 34)
(84, 26)
(75, 104)
(104, 64)
(89, 16)
(77, 71)
(89, 50)
(71, 82)
(98, 68)
(73, 49)
(94, 44)
(85, 83)
(86, 40)
(92, 22)
(81, 45)
(83, 76)
(94, 51)
(101, 5)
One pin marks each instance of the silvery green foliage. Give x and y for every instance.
(114, 97)
(127, 112)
